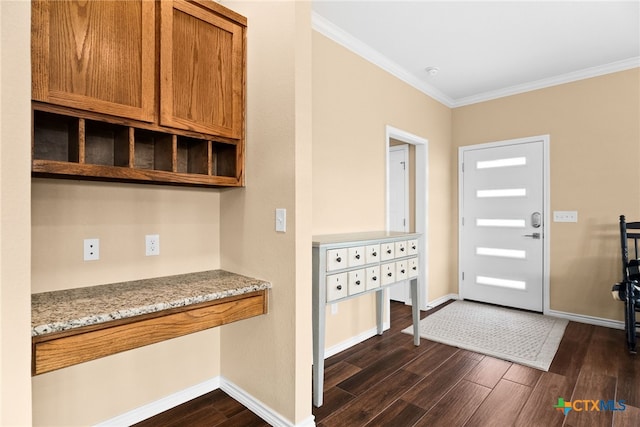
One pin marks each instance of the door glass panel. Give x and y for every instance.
(484, 222)
(502, 283)
(505, 192)
(504, 253)
(501, 163)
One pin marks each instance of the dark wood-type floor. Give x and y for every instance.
(387, 381)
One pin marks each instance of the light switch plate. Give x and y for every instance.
(281, 220)
(565, 216)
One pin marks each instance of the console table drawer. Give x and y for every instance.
(337, 286)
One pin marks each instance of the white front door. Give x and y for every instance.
(502, 227)
(399, 205)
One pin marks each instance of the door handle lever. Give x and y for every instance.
(534, 235)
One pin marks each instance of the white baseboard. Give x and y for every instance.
(159, 406)
(436, 302)
(259, 408)
(333, 350)
(183, 396)
(591, 320)
(580, 318)
(341, 346)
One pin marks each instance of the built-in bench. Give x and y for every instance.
(77, 325)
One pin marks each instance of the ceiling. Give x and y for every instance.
(485, 50)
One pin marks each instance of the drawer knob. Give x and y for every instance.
(374, 253)
(357, 256)
(389, 274)
(339, 287)
(357, 282)
(415, 268)
(402, 249)
(402, 271)
(388, 251)
(413, 247)
(374, 278)
(338, 259)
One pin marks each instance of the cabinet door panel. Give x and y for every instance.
(201, 67)
(95, 55)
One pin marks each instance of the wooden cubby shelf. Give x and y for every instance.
(167, 107)
(70, 144)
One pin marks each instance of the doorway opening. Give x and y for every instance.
(417, 220)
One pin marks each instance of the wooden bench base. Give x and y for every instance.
(62, 349)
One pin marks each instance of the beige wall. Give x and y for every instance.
(353, 101)
(15, 241)
(65, 212)
(270, 357)
(594, 130)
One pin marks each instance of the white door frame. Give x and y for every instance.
(400, 291)
(545, 209)
(421, 211)
(405, 149)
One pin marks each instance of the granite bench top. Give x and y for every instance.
(73, 308)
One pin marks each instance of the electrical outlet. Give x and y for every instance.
(334, 308)
(565, 216)
(152, 244)
(91, 249)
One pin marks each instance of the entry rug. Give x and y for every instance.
(525, 338)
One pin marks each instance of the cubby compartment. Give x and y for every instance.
(223, 159)
(106, 144)
(72, 144)
(55, 137)
(153, 150)
(193, 155)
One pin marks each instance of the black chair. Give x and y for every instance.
(629, 289)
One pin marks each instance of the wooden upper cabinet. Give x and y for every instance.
(202, 54)
(95, 55)
(139, 91)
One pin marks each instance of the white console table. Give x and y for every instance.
(353, 264)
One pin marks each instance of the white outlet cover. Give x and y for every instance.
(91, 249)
(334, 308)
(152, 244)
(565, 216)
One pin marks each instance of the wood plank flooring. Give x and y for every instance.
(387, 381)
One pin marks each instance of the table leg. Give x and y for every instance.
(380, 310)
(318, 320)
(415, 309)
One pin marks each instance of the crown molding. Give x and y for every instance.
(586, 73)
(328, 29)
